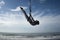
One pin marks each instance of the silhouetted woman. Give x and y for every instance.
(30, 18)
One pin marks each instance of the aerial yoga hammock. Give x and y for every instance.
(30, 18)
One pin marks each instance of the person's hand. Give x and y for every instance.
(21, 7)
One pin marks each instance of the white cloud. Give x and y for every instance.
(2, 3)
(16, 22)
(48, 23)
(10, 19)
(18, 8)
(49, 18)
(13, 22)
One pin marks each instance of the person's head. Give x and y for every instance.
(37, 22)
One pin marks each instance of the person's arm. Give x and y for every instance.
(24, 12)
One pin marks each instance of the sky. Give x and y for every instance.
(12, 19)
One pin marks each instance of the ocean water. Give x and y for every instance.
(28, 37)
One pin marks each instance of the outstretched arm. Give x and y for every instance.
(24, 12)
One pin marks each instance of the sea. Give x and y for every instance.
(29, 36)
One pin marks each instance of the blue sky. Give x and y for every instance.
(46, 11)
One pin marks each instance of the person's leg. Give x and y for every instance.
(31, 17)
(24, 12)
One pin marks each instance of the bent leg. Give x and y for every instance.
(31, 17)
(24, 13)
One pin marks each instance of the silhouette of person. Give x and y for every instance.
(30, 18)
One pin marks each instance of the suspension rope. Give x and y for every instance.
(30, 7)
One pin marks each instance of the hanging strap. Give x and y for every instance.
(30, 7)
